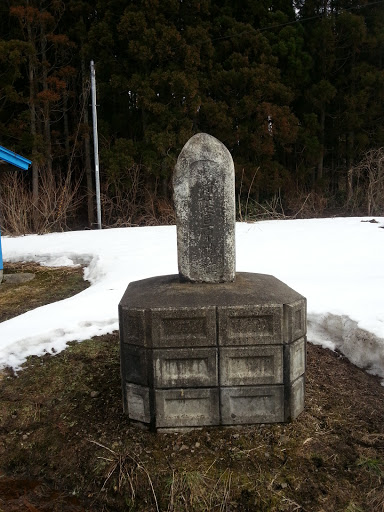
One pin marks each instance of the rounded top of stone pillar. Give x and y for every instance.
(204, 196)
(203, 146)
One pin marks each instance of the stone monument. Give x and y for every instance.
(204, 196)
(209, 346)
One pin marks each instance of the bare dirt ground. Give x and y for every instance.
(66, 446)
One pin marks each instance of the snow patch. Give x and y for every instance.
(337, 264)
(362, 348)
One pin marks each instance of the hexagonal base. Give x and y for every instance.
(196, 354)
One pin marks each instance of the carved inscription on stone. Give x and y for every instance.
(247, 404)
(185, 367)
(207, 236)
(187, 407)
(245, 326)
(246, 366)
(184, 327)
(204, 196)
(181, 328)
(249, 325)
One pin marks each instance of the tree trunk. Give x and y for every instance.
(46, 106)
(66, 125)
(320, 163)
(32, 111)
(349, 161)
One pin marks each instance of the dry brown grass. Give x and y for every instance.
(49, 285)
(57, 431)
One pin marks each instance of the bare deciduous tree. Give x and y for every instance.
(367, 183)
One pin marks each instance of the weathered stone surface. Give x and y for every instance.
(297, 358)
(189, 327)
(203, 348)
(138, 403)
(258, 404)
(296, 319)
(249, 366)
(251, 324)
(187, 407)
(132, 327)
(248, 290)
(187, 344)
(135, 362)
(296, 399)
(204, 197)
(185, 368)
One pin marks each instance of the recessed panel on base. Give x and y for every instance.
(138, 403)
(297, 359)
(183, 327)
(247, 366)
(185, 368)
(297, 397)
(258, 404)
(187, 407)
(250, 325)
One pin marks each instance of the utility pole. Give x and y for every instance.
(95, 143)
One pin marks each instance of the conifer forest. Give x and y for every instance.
(294, 89)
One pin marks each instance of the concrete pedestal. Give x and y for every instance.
(198, 354)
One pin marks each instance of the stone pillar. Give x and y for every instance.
(204, 197)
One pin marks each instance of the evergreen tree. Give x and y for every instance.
(294, 90)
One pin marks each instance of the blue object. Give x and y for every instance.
(1, 256)
(10, 157)
(13, 158)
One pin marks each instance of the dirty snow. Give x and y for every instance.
(337, 264)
